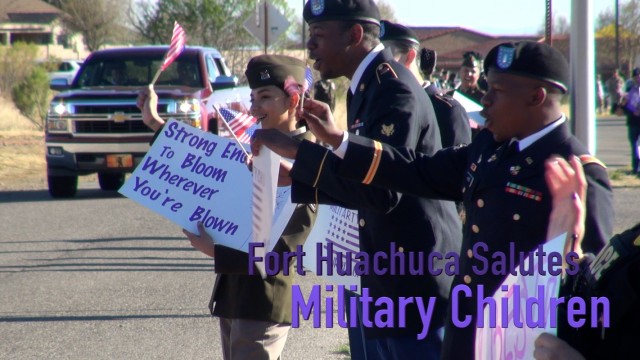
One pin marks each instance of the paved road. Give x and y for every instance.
(99, 277)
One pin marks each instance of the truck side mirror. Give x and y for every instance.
(59, 84)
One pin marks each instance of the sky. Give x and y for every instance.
(495, 17)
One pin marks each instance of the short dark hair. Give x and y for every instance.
(399, 47)
(371, 31)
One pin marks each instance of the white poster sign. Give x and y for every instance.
(335, 234)
(517, 342)
(189, 175)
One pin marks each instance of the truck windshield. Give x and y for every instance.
(138, 71)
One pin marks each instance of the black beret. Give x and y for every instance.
(263, 70)
(353, 10)
(530, 59)
(395, 32)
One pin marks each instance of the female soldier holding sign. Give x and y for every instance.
(255, 313)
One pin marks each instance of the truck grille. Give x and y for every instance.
(112, 109)
(111, 127)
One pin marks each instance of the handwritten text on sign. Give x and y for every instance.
(189, 176)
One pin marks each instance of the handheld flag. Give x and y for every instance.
(308, 76)
(241, 125)
(178, 42)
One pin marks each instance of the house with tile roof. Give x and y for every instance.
(36, 22)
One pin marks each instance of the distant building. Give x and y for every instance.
(36, 22)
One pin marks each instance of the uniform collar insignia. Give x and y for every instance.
(636, 242)
(388, 130)
(514, 170)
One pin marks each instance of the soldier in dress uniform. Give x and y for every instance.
(452, 117)
(499, 176)
(255, 314)
(470, 74)
(386, 103)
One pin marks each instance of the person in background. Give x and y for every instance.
(255, 313)
(600, 96)
(613, 274)
(469, 74)
(630, 104)
(325, 90)
(615, 88)
(499, 176)
(451, 116)
(427, 59)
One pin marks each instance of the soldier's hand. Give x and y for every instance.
(549, 347)
(320, 121)
(276, 140)
(568, 187)
(147, 102)
(284, 179)
(202, 242)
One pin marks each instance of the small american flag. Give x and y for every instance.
(242, 125)
(178, 41)
(308, 76)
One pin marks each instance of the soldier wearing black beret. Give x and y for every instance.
(452, 117)
(499, 176)
(386, 103)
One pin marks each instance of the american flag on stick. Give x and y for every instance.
(241, 125)
(178, 42)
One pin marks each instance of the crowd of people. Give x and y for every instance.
(406, 159)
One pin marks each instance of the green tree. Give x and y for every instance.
(216, 23)
(32, 95)
(16, 63)
(628, 30)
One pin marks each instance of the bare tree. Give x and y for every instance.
(99, 21)
(386, 11)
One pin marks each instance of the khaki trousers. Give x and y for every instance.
(251, 339)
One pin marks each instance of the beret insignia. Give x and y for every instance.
(505, 57)
(317, 7)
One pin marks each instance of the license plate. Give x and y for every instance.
(120, 161)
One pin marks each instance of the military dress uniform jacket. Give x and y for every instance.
(452, 120)
(612, 274)
(505, 196)
(238, 295)
(389, 105)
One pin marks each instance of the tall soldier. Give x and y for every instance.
(385, 103)
(499, 176)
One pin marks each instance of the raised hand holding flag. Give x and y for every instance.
(178, 42)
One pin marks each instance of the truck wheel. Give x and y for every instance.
(62, 186)
(110, 181)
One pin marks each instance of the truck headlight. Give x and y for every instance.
(60, 109)
(54, 124)
(192, 105)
